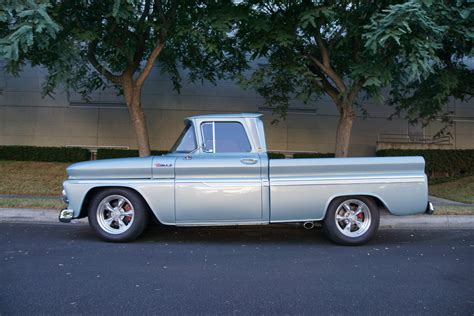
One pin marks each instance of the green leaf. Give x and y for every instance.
(373, 81)
(115, 8)
(465, 13)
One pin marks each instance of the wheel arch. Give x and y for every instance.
(377, 199)
(94, 190)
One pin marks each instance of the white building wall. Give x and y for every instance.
(28, 119)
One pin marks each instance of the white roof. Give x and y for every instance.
(228, 115)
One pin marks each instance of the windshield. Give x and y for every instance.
(186, 141)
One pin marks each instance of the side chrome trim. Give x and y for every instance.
(339, 180)
(296, 220)
(221, 184)
(217, 181)
(118, 182)
(222, 223)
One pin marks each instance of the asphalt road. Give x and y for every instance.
(58, 269)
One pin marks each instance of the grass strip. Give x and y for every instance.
(460, 190)
(31, 203)
(32, 178)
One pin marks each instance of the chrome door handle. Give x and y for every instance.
(249, 161)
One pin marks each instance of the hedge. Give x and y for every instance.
(107, 153)
(36, 153)
(313, 155)
(123, 153)
(300, 155)
(440, 163)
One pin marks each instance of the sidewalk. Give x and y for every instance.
(437, 201)
(48, 216)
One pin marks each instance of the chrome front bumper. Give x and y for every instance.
(429, 209)
(65, 216)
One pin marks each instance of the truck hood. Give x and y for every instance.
(121, 168)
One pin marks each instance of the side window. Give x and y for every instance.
(207, 130)
(225, 137)
(186, 141)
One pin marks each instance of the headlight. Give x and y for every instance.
(65, 197)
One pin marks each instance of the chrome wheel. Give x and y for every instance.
(353, 218)
(115, 214)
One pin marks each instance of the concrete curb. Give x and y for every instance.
(39, 216)
(50, 216)
(427, 222)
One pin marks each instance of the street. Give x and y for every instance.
(58, 269)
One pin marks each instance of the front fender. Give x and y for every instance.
(158, 194)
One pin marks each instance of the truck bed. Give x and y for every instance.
(301, 189)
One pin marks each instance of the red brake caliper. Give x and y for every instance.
(127, 219)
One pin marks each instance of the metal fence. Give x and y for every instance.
(415, 139)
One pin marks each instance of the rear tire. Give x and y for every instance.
(351, 220)
(118, 215)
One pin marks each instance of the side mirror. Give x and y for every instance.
(194, 150)
(188, 155)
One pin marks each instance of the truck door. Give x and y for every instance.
(222, 183)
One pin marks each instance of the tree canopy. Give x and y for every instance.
(88, 45)
(449, 76)
(416, 49)
(343, 48)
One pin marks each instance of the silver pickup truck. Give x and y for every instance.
(219, 173)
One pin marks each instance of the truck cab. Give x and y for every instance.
(221, 170)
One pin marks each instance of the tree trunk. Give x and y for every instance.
(133, 98)
(139, 125)
(344, 129)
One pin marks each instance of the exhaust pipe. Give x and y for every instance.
(308, 225)
(429, 209)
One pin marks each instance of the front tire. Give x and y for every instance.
(118, 215)
(352, 220)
